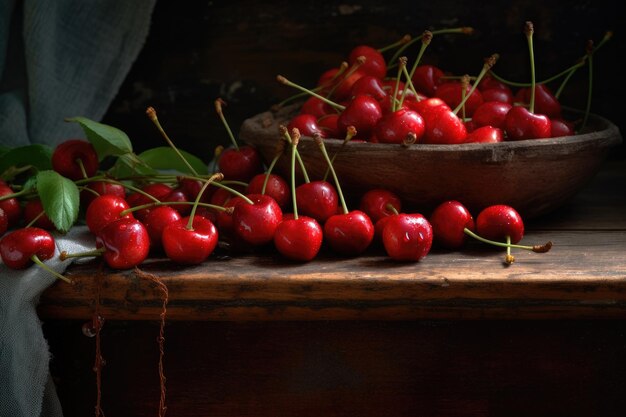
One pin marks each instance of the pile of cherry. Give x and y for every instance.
(183, 216)
(424, 105)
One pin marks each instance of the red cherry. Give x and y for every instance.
(491, 113)
(10, 206)
(374, 64)
(449, 220)
(34, 209)
(156, 220)
(560, 127)
(520, 124)
(485, 134)
(19, 246)
(225, 219)
(490, 83)
(66, 155)
(178, 196)
(316, 107)
(104, 210)
(101, 187)
(277, 188)
(221, 195)
(369, 85)
(451, 93)
(499, 221)
(545, 102)
(125, 243)
(306, 124)
(379, 226)
(378, 203)
(363, 112)
(317, 199)
(329, 126)
(4, 222)
(344, 85)
(407, 237)
(426, 79)
(241, 164)
(256, 223)
(443, 127)
(299, 239)
(495, 94)
(192, 187)
(426, 107)
(395, 127)
(350, 233)
(189, 246)
(156, 190)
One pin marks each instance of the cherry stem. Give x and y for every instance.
(401, 65)
(489, 63)
(218, 176)
(267, 174)
(172, 203)
(96, 252)
(287, 137)
(286, 82)
(409, 83)
(508, 259)
(37, 217)
(464, 83)
(15, 194)
(90, 190)
(38, 261)
(132, 188)
(233, 191)
(427, 37)
(537, 248)
(406, 38)
(82, 167)
(218, 108)
(350, 133)
(152, 115)
(320, 143)
(571, 72)
(463, 30)
(528, 31)
(391, 208)
(294, 150)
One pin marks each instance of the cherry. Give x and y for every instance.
(452, 94)
(158, 191)
(189, 245)
(560, 127)
(485, 134)
(443, 126)
(329, 126)
(237, 163)
(374, 64)
(306, 124)
(491, 113)
(20, 246)
(34, 214)
(545, 102)
(191, 187)
(297, 238)
(75, 159)
(427, 106)
(490, 83)
(101, 188)
(317, 199)
(449, 221)
(395, 127)
(350, 232)
(156, 220)
(520, 123)
(104, 210)
(315, 107)
(123, 243)
(371, 86)
(178, 196)
(272, 185)
(10, 206)
(256, 220)
(426, 79)
(379, 203)
(496, 94)
(499, 221)
(363, 112)
(4, 222)
(407, 237)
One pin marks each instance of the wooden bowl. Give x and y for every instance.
(533, 176)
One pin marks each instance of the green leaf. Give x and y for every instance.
(37, 156)
(130, 164)
(165, 158)
(107, 140)
(60, 199)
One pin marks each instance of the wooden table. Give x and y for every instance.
(256, 336)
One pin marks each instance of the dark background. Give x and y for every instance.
(200, 50)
